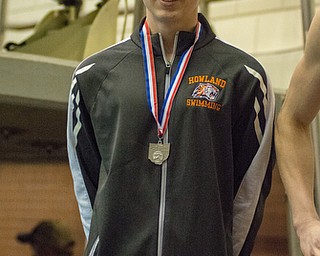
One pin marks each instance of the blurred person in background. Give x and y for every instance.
(49, 238)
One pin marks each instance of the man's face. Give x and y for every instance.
(169, 11)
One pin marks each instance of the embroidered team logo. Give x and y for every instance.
(206, 91)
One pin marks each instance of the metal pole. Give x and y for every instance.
(204, 8)
(307, 11)
(316, 143)
(138, 12)
(3, 8)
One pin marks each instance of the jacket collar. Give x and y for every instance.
(185, 39)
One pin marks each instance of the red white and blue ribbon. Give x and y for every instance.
(151, 80)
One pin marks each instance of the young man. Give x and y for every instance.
(295, 154)
(170, 140)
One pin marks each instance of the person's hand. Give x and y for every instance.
(309, 236)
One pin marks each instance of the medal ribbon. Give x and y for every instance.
(151, 81)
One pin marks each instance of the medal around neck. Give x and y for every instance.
(158, 152)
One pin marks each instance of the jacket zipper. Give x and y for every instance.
(164, 167)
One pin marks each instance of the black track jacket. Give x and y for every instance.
(208, 197)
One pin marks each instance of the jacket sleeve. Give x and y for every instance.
(254, 160)
(83, 153)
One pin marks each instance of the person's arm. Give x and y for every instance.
(83, 153)
(295, 155)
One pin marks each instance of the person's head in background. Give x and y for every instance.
(49, 238)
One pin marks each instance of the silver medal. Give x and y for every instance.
(158, 152)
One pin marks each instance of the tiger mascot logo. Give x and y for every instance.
(206, 91)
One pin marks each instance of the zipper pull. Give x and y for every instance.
(168, 67)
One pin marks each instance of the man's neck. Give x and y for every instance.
(168, 32)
